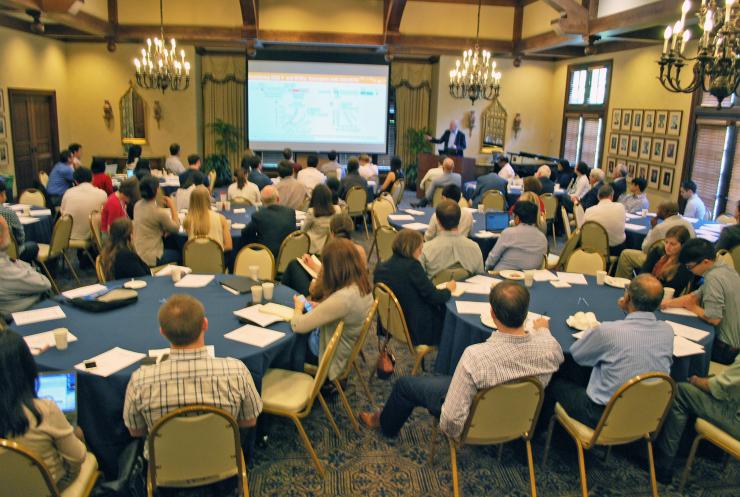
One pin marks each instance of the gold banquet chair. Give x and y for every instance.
(193, 446)
(96, 230)
(714, 435)
(383, 242)
(203, 255)
(32, 196)
(635, 411)
(551, 211)
(240, 202)
(581, 261)
(24, 474)
(493, 200)
(397, 191)
(437, 196)
(292, 394)
(499, 415)
(357, 205)
(12, 250)
(294, 246)
(59, 243)
(99, 270)
(255, 254)
(381, 208)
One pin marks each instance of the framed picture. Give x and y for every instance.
(4, 160)
(648, 121)
(642, 170)
(666, 179)
(610, 163)
(661, 122)
(634, 146)
(646, 146)
(674, 122)
(624, 144)
(654, 177)
(626, 119)
(3, 129)
(2, 102)
(617, 119)
(632, 168)
(637, 120)
(657, 154)
(671, 152)
(613, 143)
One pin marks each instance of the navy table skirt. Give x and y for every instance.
(135, 328)
(40, 231)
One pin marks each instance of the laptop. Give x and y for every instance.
(129, 172)
(497, 221)
(61, 387)
(111, 169)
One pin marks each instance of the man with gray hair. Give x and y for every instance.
(591, 198)
(452, 140)
(619, 180)
(610, 215)
(448, 177)
(271, 224)
(618, 351)
(21, 285)
(543, 174)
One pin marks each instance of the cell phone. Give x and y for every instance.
(306, 304)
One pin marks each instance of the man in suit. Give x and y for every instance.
(256, 175)
(596, 178)
(543, 174)
(490, 181)
(619, 182)
(452, 140)
(271, 224)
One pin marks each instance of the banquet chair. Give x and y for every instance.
(211, 180)
(59, 244)
(357, 205)
(292, 394)
(585, 262)
(437, 196)
(595, 239)
(568, 223)
(334, 173)
(43, 178)
(380, 209)
(571, 244)
(635, 411)
(12, 249)
(255, 254)
(735, 252)
(725, 258)
(394, 323)
(498, 415)
(194, 446)
(397, 191)
(579, 214)
(29, 477)
(96, 230)
(551, 209)
(453, 273)
(352, 364)
(99, 270)
(383, 243)
(240, 202)
(32, 196)
(306, 203)
(725, 219)
(493, 200)
(203, 255)
(293, 246)
(714, 435)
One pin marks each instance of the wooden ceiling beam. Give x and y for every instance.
(573, 17)
(192, 34)
(656, 13)
(394, 15)
(546, 41)
(489, 3)
(516, 38)
(250, 17)
(80, 21)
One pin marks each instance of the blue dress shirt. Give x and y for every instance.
(60, 179)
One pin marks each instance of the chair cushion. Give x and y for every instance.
(718, 437)
(576, 428)
(43, 252)
(82, 485)
(79, 244)
(284, 390)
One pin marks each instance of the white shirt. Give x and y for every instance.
(174, 165)
(79, 202)
(451, 139)
(369, 171)
(580, 187)
(249, 191)
(182, 198)
(695, 208)
(463, 227)
(611, 215)
(507, 172)
(310, 177)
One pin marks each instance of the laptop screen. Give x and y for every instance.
(129, 172)
(61, 387)
(497, 220)
(111, 169)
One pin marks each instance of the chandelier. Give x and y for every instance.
(159, 67)
(476, 76)
(716, 63)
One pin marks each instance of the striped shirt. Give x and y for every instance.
(500, 359)
(619, 350)
(14, 223)
(189, 377)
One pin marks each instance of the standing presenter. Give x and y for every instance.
(453, 140)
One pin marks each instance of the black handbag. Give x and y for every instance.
(113, 299)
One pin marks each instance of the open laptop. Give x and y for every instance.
(61, 387)
(129, 172)
(111, 169)
(497, 221)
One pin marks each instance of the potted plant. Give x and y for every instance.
(226, 140)
(417, 143)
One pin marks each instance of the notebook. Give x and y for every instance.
(241, 284)
(497, 220)
(61, 387)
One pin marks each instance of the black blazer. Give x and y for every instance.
(460, 142)
(620, 186)
(548, 185)
(592, 197)
(128, 264)
(422, 303)
(269, 226)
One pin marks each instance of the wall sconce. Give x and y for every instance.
(516, 124)
(157, 112)
(470, 121)
(108, 113)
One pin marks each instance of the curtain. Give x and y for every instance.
(413, 85)
(224, 97)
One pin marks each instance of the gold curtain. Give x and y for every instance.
(224, 97)
(413, 85)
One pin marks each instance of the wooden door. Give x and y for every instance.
(33, 123)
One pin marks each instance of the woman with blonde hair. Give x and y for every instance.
(202, 221)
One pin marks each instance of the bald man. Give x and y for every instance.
(271, 224)
(448, 177)
(452, 140)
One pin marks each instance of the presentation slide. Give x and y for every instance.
(316, 106)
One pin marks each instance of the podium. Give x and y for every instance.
(465, 166)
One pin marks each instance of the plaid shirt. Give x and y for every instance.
(14, 224)
(500, 359)
(190, 377)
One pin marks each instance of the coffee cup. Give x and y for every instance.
(267, 290)
(528, 278)
(644, 212)
(60, 338)
(227, 205)
(256, 294)
(668, 293)
(254, 272)
(222, 197)
(600, 277)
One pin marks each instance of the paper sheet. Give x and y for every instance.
(416, 226)
(458, 291)
(305, 266)
(239, 210)
(634, 227)
(45, 339)
(691, 333)
(19, 207)
(683, 347)
(466, 307)
(560, 284)
(572, 278)
(678, 311)
(474, 288)
(111, 361)
(414, 212)
(255, 315)
(544, 275)
(160, 352)
(41, 212)
(28, 220)
(716, 228)
(486, 234)
(282, 311)
(579, 335)
(480, 279)
(692, 220)
(195, 281)
(400, 217)
(38, 315)
(633, 216)
(167, 270)
(253, 335)
(83, 291)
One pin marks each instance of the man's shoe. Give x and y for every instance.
(371, 419)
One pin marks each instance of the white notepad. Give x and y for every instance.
(560, 284)
(239, 210)
(544, 275)
(414, 212)
(111, 361)
(45, 339)
(572, 278)
(38, 315)
(83, 291)
(693, 334)
(254, 314)
(41, 212)
(474, 288)
(486, 234)
(400, 217)
(683, 347)
(28, 220)
(194, 281)
(305, 266)
(254, 335)
(466, 307)
(167, 270)
(634, 227)
(480, 279)
(678, 311)
(282, 311)
(416, 226)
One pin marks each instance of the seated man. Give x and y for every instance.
(694, 206)
(173, 164)
(432, 174)
(271, 224)
(522, 246)
(453, 193)
(352, 178)
(490, 181)
(21, 285)
(631, 260)
(60, 178)
(254, 165)
(194, 164)
(190, 376)
(717, 301)
(730, 236)
(543, 174)
(596, 179)
(367, 169)
(610, 215)
(332, 167)
(636, 200)
(448, 177)
(310, 176)
(79, 202)
(618, 351)
(450, 249)
(619, 181)
(292, 193)
(508, 355)
(27, 251)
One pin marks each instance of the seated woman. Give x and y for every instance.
(347, 296)
(421, 301)
(142, 169)
(151, 222)
(182, 195)
(393, 175)
(565, 174)
(242, 188)
(117, 204)
(318, 217)
(36, 424)
(118, 258)
(202, 221)
(662, 262)
(100, 179)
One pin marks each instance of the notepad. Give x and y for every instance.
(38, 315)
(400, 217)
(474, 288)
(111, 361)
(486, 234)
(308, 269)
(282, 311)
(239, 210)
(683, 347)
(254, 335)
(194, 281)
(18, 207)
(254, 314)
(28, 220)
(634, 227)
(416, 226)
(83, 291)
(693, 334)
(167, 270)
(414, 212)
(45, 339)
(480, 279)
(572, 278)
(467, 307)
(41, 212)
(544, 275)
(678, 311)
(560, 284)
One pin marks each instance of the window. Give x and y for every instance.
(588, 85)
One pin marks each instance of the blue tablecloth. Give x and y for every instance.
(461, 330)
(135, 328)
(635, 237)
(40, 231)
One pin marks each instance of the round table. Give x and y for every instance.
(135, 328)
(461, 330)
(38, 231)
(635, 236)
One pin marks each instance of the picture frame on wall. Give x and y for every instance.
(646, 147)
(620, 163)
(632, 168)
(671, 152)
(616, 119)
(674, 123)
(613, 143)
(642, 170)
(626, 119)
(666, 179)
(610, 163)
(4, 158)
(637, 120)
(624, 144)
(648, 122)
(634, 150)
(654, 177)
(657, 154)
(2, 101)
(661, 122)
(3, 128)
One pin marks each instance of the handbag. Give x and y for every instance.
(386, 360)
(106, 300)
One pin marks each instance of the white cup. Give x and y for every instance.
(256, 294)
(254, 272)
(267, 290)
(176, 275)
(668, 293)
(528, 278)
(644, 212)
(227, 205)
(60, 338)
(600, 277)
(222, 197)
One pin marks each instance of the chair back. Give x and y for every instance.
(323, 369)
(293, 246)
(334, 173)
(566, 222)
(96, 230)
(384, 237)
(636, 410)
(571, 244)
(735, 253)
(240, 202)
(99, 270)
(193, 446)
(306, 203)
(579, 214)
(725, 258)
(356, 201)
(551, 205)
(493, 200)
(13, 246)
(360, 342)
(203, 255)
(453, 273)
(437, 196)
(594, 238)
(585, 262)
(397, 190)
(391, 315)
(43, 179)
(255, 254)
(60, 236)
(25, 472)
(381, 208)
(211, 180)
(504, 412)
(32, 196)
